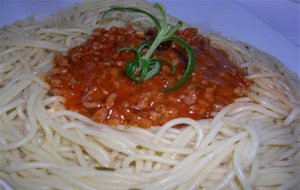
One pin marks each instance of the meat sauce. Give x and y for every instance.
(91, 77)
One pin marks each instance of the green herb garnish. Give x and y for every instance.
(159, 153)
(145, 66)
(105, 168)
(139, 147)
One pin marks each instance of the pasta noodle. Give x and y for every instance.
(252, 143)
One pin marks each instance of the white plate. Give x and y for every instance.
(272, 26)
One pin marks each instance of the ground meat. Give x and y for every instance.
(92, 79)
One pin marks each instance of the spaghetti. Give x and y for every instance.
(253, 143)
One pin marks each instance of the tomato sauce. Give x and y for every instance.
(91, 77)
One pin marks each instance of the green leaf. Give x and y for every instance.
(131, 69)
(139, 147)
(127, 49)
(190, 66)
(144, 67)
(144, 44)
(174, 29)
(144, 72)
(168, 61)
(137, 70)
(137, 53)
(156, 66)
(162, 12)
(105, 169)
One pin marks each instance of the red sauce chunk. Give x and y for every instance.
(91, 77)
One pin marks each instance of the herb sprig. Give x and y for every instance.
(145, 66)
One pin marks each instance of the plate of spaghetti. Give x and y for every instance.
(120, 95)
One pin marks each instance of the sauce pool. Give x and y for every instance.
(92, 79)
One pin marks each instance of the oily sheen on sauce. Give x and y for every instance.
(92, 79)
